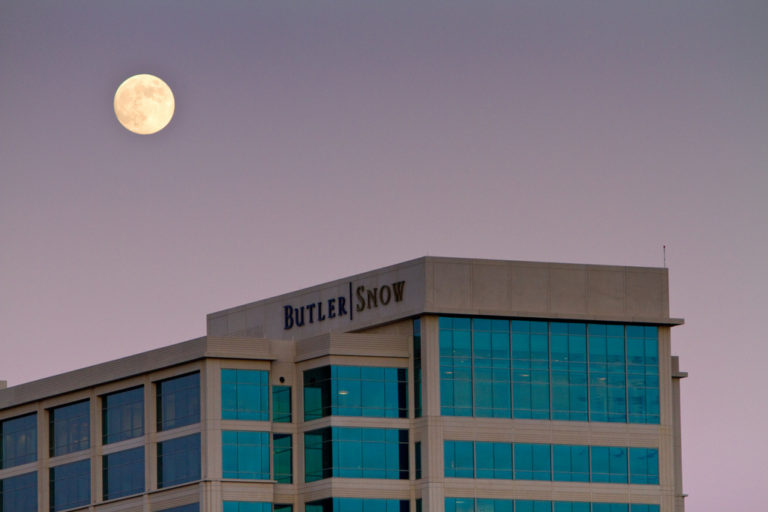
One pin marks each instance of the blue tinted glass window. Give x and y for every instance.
(639, 507)
(610, 507)
(459, 459)
(491, 368)
(642, 374)
(281, 404)
(533, 506)
(122, 415)
(70, 485)
(178, 401)
(530, 370)
(123, 473)
(178, 460)
(247, 506)
(568, 346)
(609, 464)
(494, 460)
(417, 367)
(283, 457)
(355, 391)
(245, 455)
(19, 493)
(281, 507)
(245, 395)
(644, 466)
(19, 441)
(357, 505)
(532, 462)
(349, 452)
(417, 459)
(570, 463)
(571, 506)
(459, 505)
(192, 507)
(455, 366)
(70, 428)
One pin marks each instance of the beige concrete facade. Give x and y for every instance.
(367, 320)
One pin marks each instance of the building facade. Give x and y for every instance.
(438, 384)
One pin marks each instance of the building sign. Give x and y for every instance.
(362, 299)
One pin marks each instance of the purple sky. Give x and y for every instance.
(317, 139)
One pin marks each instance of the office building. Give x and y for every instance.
(438, 384)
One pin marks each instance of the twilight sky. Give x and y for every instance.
(317, 139)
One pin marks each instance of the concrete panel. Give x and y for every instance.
(567, 288)
(605, 292)
(528, 288)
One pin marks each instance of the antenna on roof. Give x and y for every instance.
(664, 251)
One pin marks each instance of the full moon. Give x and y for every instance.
(144, 104)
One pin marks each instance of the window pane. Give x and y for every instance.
(283, 455)
(178, 460)
(123, 473)
(281, 404)
(245, 394)
(245, 455)
(178, 401)
(122, 415)
(70, 485)
(70, 428)
(19, 493)
(19, 441)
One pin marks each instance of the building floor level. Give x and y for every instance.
(437, 384)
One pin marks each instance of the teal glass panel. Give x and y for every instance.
(568, 346)
(641, 507)
(283, 457)
(532, 461)
(123, 473)
(493, 505)
(245, 455)
(282, 507)
(19, 441)
(570, 463)
(644, 466)
(318, 460)
(70, 428)
(244, 394)
(317, 393)
(571, 506)
(350, 452)
(533, 506)
(530, 370)
(122, 415)
(417, 367)
(281, 404)
(19, 493)
(355, 391)
(247, 506)
(459, 505)
(642, 374)
(357, 505)
(610, 507)
(178, 401)
(178, 460)
(70, 485)
(458, 459)
(609, 464)
(455, 341)
(491, 368)
(494, 460)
